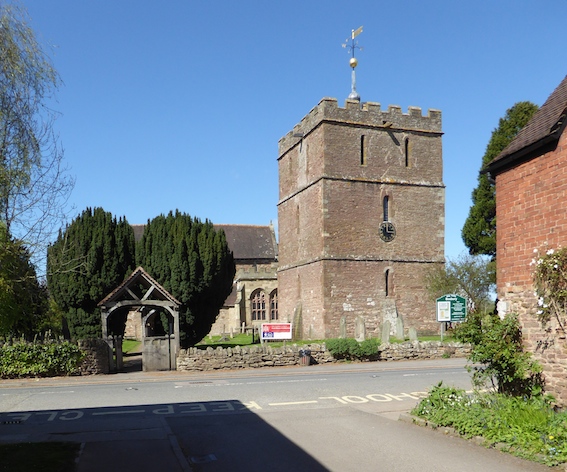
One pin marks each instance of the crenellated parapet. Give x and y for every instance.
(257, 272)
(368, 114)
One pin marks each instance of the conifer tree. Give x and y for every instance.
(88, 260)
(192, 261)
(479, 230)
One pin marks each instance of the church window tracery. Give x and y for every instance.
(274, 305)
(258, 305)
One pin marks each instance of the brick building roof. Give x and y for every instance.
(542, 130)
(248, 243)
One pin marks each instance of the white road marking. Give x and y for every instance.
(292, 403)
(125, 412)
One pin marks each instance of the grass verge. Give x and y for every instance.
(246, 340)
(525, 427)
(44, 457)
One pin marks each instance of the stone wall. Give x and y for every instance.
(195, 359)
(97, 359)
(546, 341)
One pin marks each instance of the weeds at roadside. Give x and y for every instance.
(528, 427)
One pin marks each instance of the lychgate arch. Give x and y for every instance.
(141, 293)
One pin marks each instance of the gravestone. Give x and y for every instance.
(390, 314)
(400, 328)
(386, 332)
(342, 328)
(359, 329)
(412, 334)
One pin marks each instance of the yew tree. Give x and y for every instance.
(88, 260)
(193, 262)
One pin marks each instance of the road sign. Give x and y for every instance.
(451, 308)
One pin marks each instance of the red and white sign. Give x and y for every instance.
(272, 331)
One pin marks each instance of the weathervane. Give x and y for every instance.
(353, 62)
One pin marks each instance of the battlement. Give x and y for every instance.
(368, 114)
(255, 272)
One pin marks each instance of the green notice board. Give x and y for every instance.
(451, 308)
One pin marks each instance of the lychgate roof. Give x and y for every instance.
(543, 129)
(138, 288)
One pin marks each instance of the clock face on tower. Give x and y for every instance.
(387, 231)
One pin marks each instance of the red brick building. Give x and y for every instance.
(531, 197)
(361, 218)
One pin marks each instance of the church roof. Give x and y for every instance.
(250, 242)
(247, 242)
(544, 128)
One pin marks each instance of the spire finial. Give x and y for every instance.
(353, 62)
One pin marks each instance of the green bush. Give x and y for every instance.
(498, 356)
(351, 349)
(49, 359)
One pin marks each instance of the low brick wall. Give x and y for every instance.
(194, 359)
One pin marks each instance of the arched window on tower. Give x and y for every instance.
(258, 305)
(386, 208)
(274, 305)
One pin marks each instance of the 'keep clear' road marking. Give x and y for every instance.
(203, 407)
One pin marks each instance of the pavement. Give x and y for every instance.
(154, 443)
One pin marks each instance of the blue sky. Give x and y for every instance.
(180, 103)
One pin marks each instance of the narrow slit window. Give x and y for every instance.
(363, 151)
(406, 151)
(386, 208)
(387, 282)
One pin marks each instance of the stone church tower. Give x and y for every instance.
(361, 219)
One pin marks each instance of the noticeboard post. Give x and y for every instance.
(451, 308)
(275, 331)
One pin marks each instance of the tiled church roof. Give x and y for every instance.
(544, 127)
(247, 242)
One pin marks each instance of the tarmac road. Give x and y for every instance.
(318, 418)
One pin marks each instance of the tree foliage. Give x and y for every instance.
(192, 261)
(23, 300)
(469, 276)
(86, 262)
(479, 230)
(34, 185)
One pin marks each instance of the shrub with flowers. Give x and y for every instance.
(550, 283)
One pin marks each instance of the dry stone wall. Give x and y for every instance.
(195, 359)
(97, 357)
